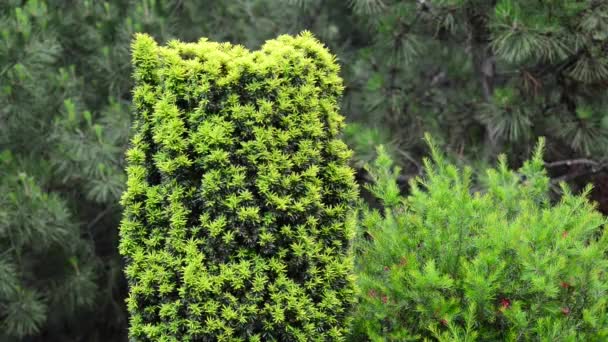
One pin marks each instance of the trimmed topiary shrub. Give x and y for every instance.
(237, 221)
(449, 264)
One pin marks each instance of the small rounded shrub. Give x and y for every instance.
(237, 215)
(449, 264)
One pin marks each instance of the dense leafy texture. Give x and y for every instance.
(503, 265)
(238, 213)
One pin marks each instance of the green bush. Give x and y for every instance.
(449, 264)
(238, 218)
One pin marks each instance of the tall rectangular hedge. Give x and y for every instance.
(237, 215)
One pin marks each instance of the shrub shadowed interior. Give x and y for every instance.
(237, 221)
(449, 264)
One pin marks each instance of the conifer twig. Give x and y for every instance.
(570, 176)
(570, 162)
(99, 217)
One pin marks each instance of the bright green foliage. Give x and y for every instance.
(237, 219)
(447, 264)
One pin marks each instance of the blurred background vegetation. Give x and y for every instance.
(484, 77)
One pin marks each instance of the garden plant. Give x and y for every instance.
(501, 263)
(238, 210)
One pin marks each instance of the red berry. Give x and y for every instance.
(564, 284)
(443, 322)
(384, 299)
(505, 303)
(566, 311)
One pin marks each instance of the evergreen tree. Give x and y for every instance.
(485, 76)
(45, 265)
(50, 265)
(238, 221)
(503, 264)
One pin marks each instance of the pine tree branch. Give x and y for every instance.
(6, 69)
(571, 176)
(404, 29)
(177, 7)
(484, 65)
(570, 162)
(411, 159)
(484, 62)
(99, 216)
(402, 179)
(552, 69)
(7, 251)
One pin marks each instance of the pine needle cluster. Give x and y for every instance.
(488, 76)
(449, 264)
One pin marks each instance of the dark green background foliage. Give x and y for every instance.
(448, 264)
(238, 208)
(483, 76)
(497, 72)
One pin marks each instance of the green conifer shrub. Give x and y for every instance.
(237, 215)
(449, 264)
